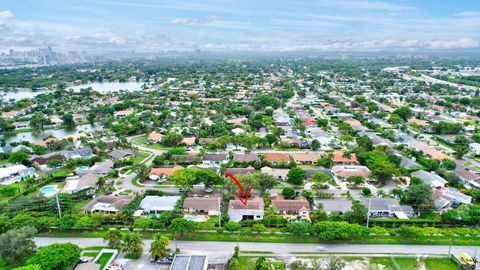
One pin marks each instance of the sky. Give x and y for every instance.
(243, 25)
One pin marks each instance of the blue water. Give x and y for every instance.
(48, 191)
(453, 190)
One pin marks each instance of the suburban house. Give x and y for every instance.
(189, 158)
(154, 137)
(343, 172)
(280, 174)
(299, 206)
(202, 205)
(276, 158)
(107, 204)
(41, 161)
(20, 125)
(85, 152)
(306, 158)
(189, 141)
(432, 179)
(339, 158)
(161, 174)
(239, 171)
(245, 157)
(76, 184)
(387, 207)
(117, 154)
(445, 197)
(337, 205)
(215, 159)
(254, 210)
(99, 168)
(474, 148)
(122, 114)
(154, 205)
(16, 170)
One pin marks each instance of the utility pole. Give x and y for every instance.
(219, 213)
(58, 206)
(368, 213)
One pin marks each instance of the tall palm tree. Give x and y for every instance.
(158, 248)
(132, 243)
(113, 238)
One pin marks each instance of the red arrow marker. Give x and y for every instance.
(240, 198)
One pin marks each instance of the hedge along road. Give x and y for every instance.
(216, 249)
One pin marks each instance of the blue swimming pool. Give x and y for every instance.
(48, 191)
(453, 190)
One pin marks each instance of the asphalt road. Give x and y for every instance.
(219, 251)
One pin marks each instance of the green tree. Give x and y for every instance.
(404, 112)
(288, 192)
(132, 243)
(420, 197)
(113, 238)
(158, 248)
(56, 257)
(172, 139)
(17, 244)
(261, 264)
(449, 164)
(358, 214)
(68, 120)
(18, 157)
(356, 180)
(315, 145)
(28, 267)
(297, 228)
(233, 226)
(181, 226)
(296, 176)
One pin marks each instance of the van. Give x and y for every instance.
(467, 259)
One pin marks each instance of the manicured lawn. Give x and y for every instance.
(440, 264)
(103, 260)
(405, 263)
(140, 140)
(248, 263)
(61, 172)
(381, 263)
(20, 186)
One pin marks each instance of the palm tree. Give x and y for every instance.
(158, 248)
(132, 243)
(113, 238)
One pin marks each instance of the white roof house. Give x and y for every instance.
(10, 171)
(429, 178)
(157, 204)
(475, 148)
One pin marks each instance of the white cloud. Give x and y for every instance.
(184, 21)
(6, 14)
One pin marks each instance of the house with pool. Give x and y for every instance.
(202, 205)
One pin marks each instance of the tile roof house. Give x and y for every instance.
(339, 158)
(163, 173)
(343, 172)
(280, 174)
(42, 160)
(202, 205)
(239, 171)
(154, 137)
(189, 141)
(214, 159)
(306, 158)
(387, 207)
(99, 168)
(276, 157)
(107, 204)
(298, 206)
(253, 210)
(121, 114)
(436, 154)
(245, 157)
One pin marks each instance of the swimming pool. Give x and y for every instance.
(453, 190)
(49, 191)
(196, 218)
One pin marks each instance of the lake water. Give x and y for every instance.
(100, 87)
(58, 133)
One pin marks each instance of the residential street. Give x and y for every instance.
(221, 251)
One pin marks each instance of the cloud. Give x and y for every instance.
(184, 21)
(6, 14)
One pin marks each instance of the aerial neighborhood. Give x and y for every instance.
(379, 150)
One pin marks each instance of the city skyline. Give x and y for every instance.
(323, 25)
